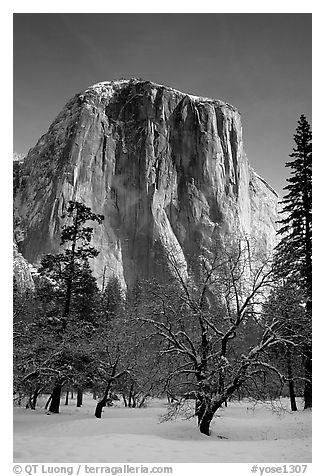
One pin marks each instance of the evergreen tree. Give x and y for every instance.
(295, 247)
(285, 304)
(294, 252)
(70, 274)
(70, 269)
(112, 298)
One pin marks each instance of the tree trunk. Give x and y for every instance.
(134, 401)
(125, 400)
(204, 425)
(33, 398)
(71, 276)
(308, 376)
(66, 311)
(36, 394)
(143, 401)
(56, 398)
(131, 394)
(79, 397)
(222, 380)
(99, 408)
(102, 403)
(290, 382)
(48, 402)
(29, 404)
(199, 409)
(67, 398)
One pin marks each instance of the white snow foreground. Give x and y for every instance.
(242, 434)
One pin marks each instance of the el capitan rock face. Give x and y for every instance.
(166, 169)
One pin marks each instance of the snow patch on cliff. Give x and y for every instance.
(108, 88)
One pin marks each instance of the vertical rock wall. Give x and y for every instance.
(166, 169)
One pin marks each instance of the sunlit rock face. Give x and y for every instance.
(166, 169)
(22, 272)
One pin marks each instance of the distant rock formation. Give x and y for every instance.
(166, 169)
(22, 271)
(18, 157)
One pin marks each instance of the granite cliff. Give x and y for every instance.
(22, 271)
(166, 169)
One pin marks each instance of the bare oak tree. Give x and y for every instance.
(202, 324)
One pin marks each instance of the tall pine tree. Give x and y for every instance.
(294, 251)
(71, 267)
(71, 272)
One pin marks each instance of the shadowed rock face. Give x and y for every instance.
(166, 169)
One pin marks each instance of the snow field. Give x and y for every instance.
(241, 433)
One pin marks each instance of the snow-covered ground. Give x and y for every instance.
(241, 433)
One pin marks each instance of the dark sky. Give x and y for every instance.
(260, 63)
